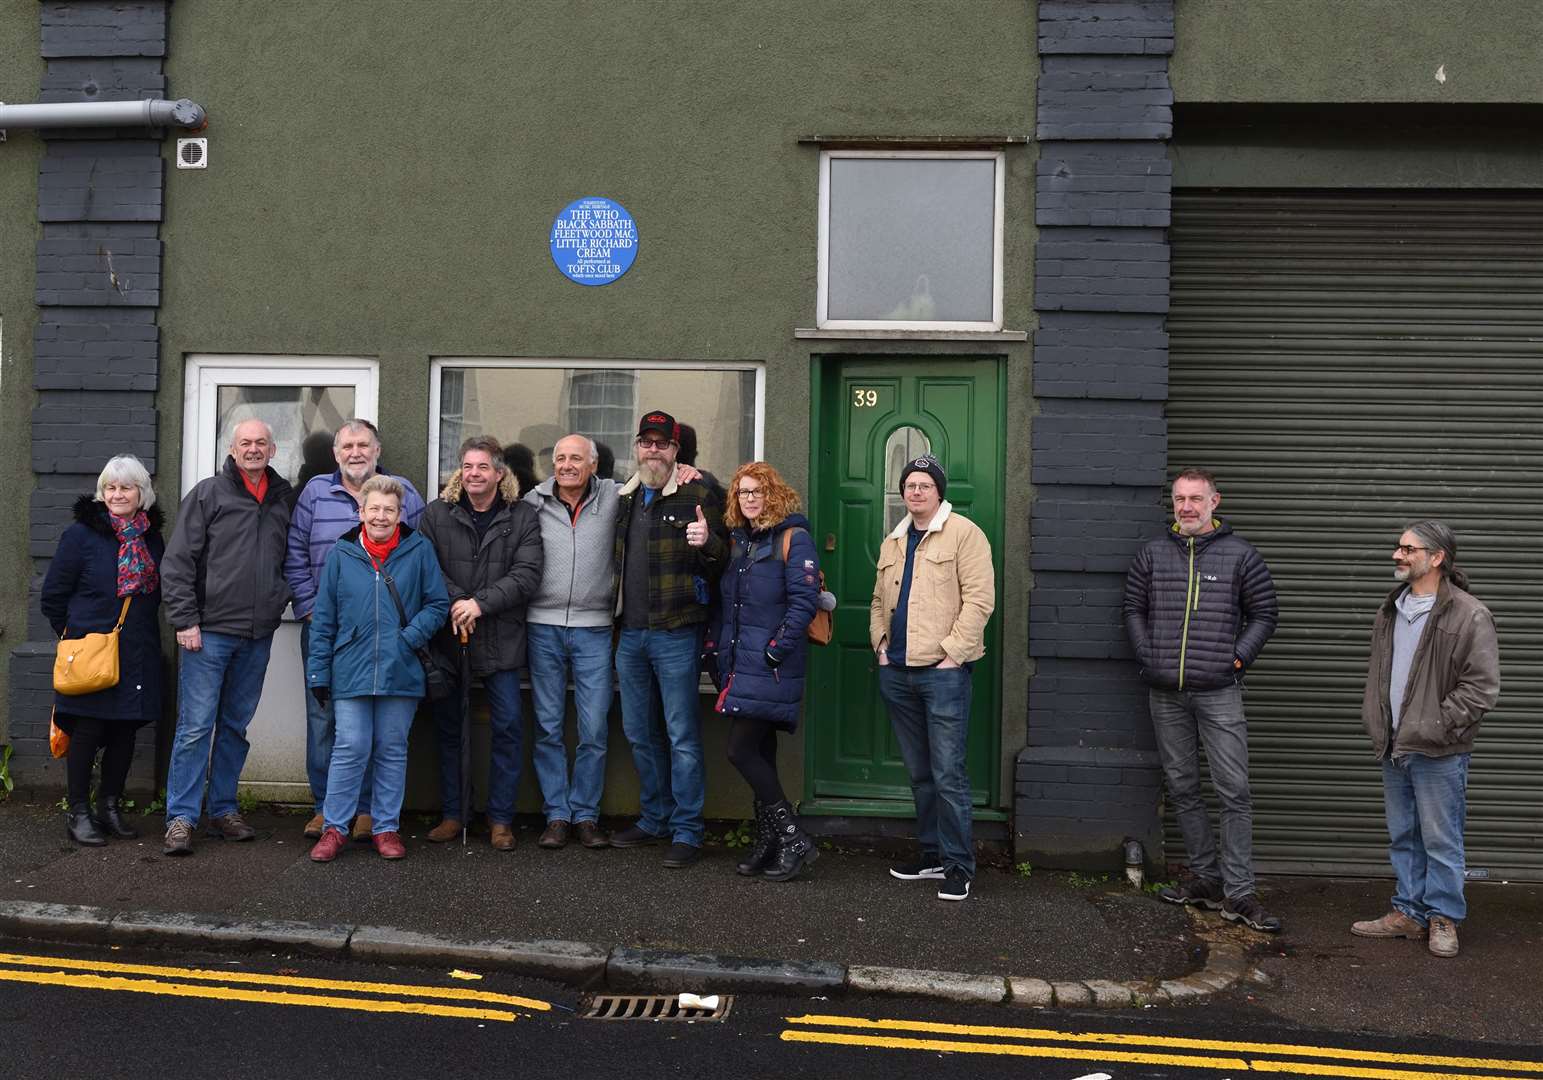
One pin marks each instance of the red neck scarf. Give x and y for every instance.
(378, 553)
(259, 490)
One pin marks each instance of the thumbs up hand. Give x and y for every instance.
(696, 532)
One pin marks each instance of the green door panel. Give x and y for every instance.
(956, 409)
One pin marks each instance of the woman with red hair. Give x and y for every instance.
(771, 588)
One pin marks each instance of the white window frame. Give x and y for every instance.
(205, 373)
(822, 316)
(440, 364)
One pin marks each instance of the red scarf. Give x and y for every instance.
(378, 553)
(259, 490)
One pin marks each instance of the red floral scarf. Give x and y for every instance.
(136, 569)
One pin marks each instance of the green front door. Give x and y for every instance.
(871, 416)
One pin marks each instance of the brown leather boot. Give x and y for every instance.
(503, 838)
(315, 827)
(364, 827)
(446, 830)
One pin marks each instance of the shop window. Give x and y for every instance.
(528, 405)
(910, 240)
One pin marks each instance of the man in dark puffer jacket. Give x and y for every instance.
(1199, 606)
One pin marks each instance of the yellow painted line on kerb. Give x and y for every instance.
(1168, 1042)
(445, 993)
(262, 997)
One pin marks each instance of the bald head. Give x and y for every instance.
(573, 462)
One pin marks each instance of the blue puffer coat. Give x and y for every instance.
(767, 605)
(359, 647)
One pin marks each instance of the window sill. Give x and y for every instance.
(810, 334)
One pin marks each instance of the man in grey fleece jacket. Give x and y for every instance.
(568, 627)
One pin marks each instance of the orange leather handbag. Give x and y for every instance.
(87, 664)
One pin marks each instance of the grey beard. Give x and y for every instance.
(654, 475)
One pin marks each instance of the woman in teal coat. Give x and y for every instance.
(364, 656)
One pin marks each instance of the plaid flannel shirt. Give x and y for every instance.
(678, 574)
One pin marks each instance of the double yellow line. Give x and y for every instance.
(1112, 1047)
(279, 989)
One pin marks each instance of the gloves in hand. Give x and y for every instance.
(321, 694)
(773, 661)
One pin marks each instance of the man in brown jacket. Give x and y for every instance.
(926, 639)
(1434, 673)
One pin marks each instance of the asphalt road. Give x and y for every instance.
(105, 1013)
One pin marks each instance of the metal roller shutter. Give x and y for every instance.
(1347, 363)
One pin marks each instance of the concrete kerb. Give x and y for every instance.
(620, 968)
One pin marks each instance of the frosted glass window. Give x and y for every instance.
(912, 241)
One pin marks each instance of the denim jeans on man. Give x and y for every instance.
(506, 749)
(1182, 721)
(218, 687)
(1426, 800)
(670, 776)
(319, 734)
(552, 650)
(929, 708)
(371, 733)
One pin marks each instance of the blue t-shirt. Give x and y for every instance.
(897, 624)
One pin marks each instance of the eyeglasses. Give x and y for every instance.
(1408, 549)
(920, 487)
(654, 444)
(750, 493)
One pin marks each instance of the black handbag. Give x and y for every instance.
(438, 683)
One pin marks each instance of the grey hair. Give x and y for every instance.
(1438, 536)
(353, 423)
(381, 484)
(126, 469)
(253, 420)
(594, 450)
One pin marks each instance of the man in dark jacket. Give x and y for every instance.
(489, 547)
(1199, 606)
(222, 582)
(1434, 673)
(669, 544)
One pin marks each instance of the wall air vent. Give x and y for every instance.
(192, 153)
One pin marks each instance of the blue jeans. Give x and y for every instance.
(670, 776)
(552, 651)
(319, 734)
(1182, 720)
(929, 709)
(1426, 800)
(371, 732)
(506, 751)
(218, 688)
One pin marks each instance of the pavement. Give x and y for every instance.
(618, 920)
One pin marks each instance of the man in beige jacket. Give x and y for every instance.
(934, 591)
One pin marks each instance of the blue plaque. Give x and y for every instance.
(594, 241)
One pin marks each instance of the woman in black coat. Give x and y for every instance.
(112, 552)
(771, 588)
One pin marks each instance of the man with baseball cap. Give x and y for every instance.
(934, 591)
(669, 544)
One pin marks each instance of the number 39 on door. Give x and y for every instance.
(864, 398)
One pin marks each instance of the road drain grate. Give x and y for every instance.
(648, 1007)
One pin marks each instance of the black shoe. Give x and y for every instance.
(762, 848)
(109, 818)
(632, 836)
(956, 885)
(1248, 911)
(794, 849)
(82, 828)
(1197, 892)
(921, 869)
(679, 856)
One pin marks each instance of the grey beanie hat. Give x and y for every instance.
(929, 465)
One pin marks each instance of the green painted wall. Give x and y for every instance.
(20, 154)
(383, 176)
(1357, 50)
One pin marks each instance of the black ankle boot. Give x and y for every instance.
(763, 847)
(81, 828)
(795, 849)
(109, 818)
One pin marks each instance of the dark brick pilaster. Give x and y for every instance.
(1089, 775)
(97, 348)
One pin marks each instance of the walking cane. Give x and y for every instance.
(465, 735)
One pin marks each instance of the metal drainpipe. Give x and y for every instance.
(153, 112)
